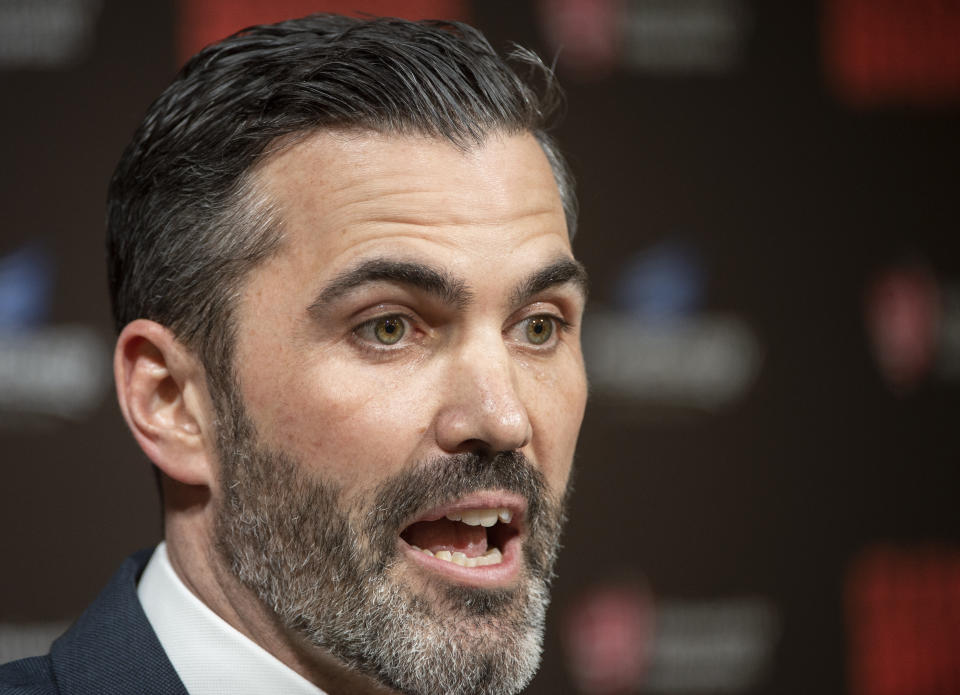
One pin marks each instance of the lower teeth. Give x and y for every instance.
(491, 557)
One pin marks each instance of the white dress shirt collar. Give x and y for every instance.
(210, 656)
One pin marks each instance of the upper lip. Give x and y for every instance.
(485, 499)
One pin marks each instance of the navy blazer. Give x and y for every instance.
(110, 650)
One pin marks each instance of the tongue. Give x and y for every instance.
(444, 534)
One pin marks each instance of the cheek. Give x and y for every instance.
(558, 398)
(352, 426)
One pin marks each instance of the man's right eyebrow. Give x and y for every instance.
(434, 281)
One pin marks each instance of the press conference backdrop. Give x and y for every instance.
(766, 482)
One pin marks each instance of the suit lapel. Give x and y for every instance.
(111, 649)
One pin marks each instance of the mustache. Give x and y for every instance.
(439, 480)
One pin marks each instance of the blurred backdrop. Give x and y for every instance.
(766, 484)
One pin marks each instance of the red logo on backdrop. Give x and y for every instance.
(893, 51)
(586, 32)
(903, 318)
(609, 634)
(903, 612)
(202, 22)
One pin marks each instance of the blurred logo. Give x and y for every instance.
(26, 283)
(665, 283)
(609, 635)
(45, 370)
(903, 320)
(903, 617)
(620, 639)
(203, 22)
(46, 33)
(586, 33)
(891, 51)
(651, 36)
(658, 347)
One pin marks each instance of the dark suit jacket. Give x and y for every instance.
(110, 650)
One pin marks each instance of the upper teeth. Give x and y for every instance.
(481, 517)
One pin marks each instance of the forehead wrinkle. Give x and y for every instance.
(380, 199)
(434, 209)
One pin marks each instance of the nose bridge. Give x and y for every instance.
(483, 408)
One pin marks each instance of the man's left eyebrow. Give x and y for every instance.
(561, 272)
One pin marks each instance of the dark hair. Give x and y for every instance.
(185, 224)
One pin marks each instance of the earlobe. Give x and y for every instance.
(162, 395)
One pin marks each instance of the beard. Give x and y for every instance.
(331, 570)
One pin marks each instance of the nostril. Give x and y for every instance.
(480, 448)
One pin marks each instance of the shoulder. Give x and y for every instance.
(110, 650)
(33, 676)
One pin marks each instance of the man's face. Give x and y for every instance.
(409, 380)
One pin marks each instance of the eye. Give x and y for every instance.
(388, 329)
(385, 330)
(539, 329)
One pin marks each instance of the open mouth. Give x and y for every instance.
(467, 535)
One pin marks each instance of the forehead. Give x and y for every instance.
(343, 194)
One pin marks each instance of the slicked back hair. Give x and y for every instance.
(186, 223)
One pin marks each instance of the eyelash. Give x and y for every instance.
(376, 347)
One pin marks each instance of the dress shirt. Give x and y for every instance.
(210, 656)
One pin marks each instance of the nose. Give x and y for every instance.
(481, 409)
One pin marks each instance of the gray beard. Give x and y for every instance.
(330, 570)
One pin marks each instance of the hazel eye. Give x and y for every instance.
(539, 329)
(389, 329)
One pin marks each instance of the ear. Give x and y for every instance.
(161, 387)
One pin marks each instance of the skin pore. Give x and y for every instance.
(414, 341)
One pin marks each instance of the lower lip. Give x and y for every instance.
(487, 577)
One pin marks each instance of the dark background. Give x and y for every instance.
(794, 199)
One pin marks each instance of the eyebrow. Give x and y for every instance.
(417, 275)
(441, 284)
(560, 272)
